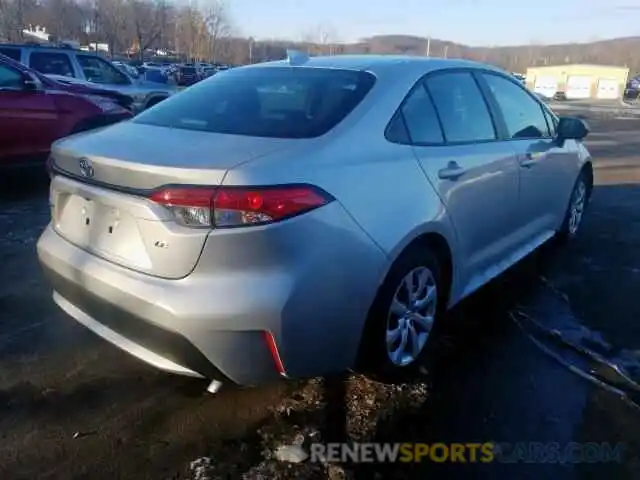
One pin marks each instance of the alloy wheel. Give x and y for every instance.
(576, 210)
(411, 316)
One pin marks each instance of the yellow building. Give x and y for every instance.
(579, 81)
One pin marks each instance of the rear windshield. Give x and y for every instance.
(188, 70)
(279, 102)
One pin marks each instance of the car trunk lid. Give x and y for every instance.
(99, 196)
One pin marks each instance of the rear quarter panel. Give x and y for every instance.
(380, 184)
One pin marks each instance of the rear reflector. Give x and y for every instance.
(275, 355)
(233, 207)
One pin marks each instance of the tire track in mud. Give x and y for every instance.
(548, 321)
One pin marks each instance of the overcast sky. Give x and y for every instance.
(474, 22)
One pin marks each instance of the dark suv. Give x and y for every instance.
(69, 65)
(187, 75)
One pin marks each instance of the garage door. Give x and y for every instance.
(578, 86)
(546, 86)
(608, 88)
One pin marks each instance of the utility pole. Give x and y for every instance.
(427, 50)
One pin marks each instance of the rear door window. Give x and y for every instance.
(461, 107)
(51, 63)
(279, 102)
(13, 53)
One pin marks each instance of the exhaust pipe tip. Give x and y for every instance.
(214, 387)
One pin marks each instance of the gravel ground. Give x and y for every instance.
(72, 406)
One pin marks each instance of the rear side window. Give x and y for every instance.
(421, 118)
(461, 106)
(279, 102)
(51, 63)
(523, 115)
(13, 53)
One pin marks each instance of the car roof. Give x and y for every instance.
(381, 63)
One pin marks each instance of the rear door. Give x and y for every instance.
(546, 168)
(27, 118)
(476, 176)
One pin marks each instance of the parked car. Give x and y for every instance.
(35, 111)
(187, 75)
(632, 89)
(228, 235)
(521, 78)
(130, 70)
(63, 62)
(209, 71)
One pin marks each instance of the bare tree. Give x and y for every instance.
(14, 17)
(113, 23)
(216, 20)
(322, 39)
(146, 17)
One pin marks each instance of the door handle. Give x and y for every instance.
(529, 160)
(453, 171)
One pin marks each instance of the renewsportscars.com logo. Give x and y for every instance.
(487, 452)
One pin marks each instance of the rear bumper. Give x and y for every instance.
(212, 323)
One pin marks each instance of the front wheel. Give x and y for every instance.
(399, 328)
(576, 209)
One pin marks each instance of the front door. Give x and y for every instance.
(545, 165)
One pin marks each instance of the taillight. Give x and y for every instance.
(219, 207)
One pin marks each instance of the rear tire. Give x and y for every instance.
(398, 334)
(574, 215)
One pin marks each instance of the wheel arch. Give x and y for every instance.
(587, 168)
(154, 99)
(437, 238)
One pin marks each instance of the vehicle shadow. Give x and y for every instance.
(19, 185)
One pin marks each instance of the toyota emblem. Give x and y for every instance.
(86, 169)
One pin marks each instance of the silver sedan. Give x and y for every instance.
(308, 216)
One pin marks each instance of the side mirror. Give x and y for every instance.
(30, 85)
(572, 128)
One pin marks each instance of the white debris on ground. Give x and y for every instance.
(201, 468)
(290, 453)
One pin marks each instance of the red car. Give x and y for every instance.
(36, 110)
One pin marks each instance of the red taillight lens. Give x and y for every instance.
(233, 206)
(191, 206)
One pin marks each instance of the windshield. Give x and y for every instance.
(188, 70)
(282, 102)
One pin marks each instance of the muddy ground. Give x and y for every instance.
(72, 406)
